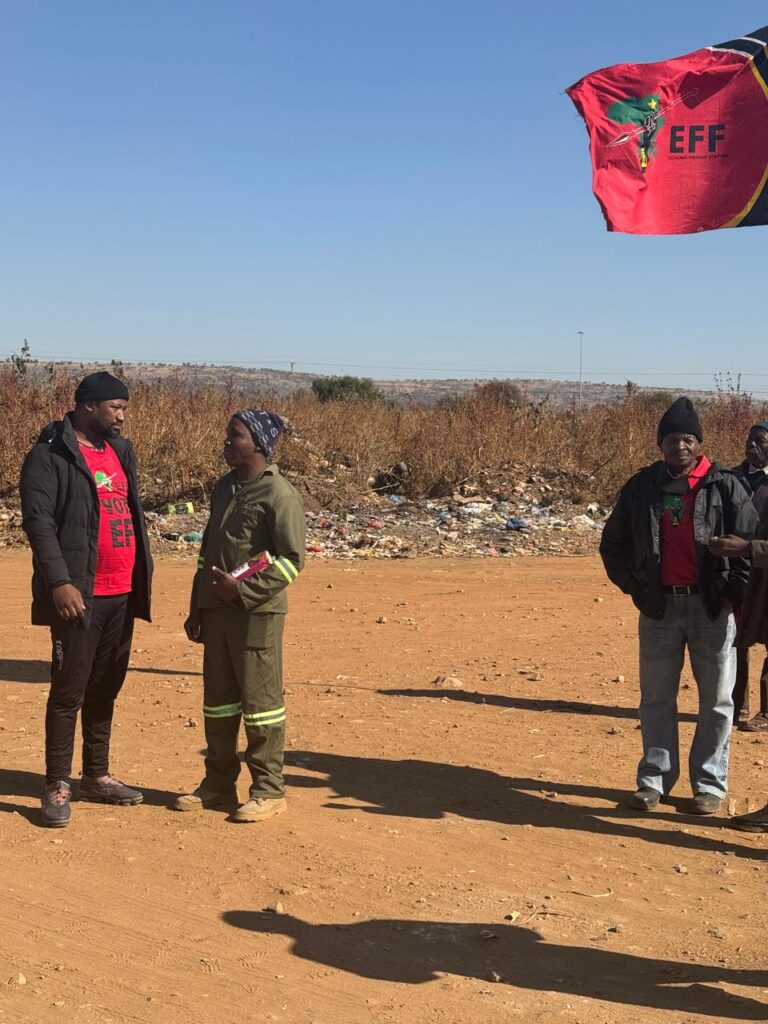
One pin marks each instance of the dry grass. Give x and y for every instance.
(178, 431)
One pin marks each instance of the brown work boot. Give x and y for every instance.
(259, 809)
(204, 797)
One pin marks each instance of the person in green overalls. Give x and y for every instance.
(240, 621)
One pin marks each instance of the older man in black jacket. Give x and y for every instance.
(654, 548)
(753, 474)
(92, 574)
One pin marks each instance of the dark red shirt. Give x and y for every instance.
(679, 562)
(117, 550)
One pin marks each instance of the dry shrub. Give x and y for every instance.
(178, 430)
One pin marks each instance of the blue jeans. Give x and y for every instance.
(713, 661)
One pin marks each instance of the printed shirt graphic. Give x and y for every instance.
(117, 549)
(681, 145)
(679, 561)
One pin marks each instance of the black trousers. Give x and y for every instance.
(88, 667)
(741, 686)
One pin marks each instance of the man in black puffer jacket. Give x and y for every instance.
(92, 573)
(655, 548)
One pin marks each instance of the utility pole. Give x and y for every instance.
(581, 363)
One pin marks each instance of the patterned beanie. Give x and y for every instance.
(265, 428)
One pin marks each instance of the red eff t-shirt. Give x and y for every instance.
(679, 561)
(117, 551)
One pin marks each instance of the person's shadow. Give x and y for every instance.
(500, 700)
(34, 670)
(25, 670)
(425, 789)
(415, 952)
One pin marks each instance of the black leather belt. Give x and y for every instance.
(683, 589)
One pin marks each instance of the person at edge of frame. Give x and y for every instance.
(92, 575)
(753, 474)
(240, 622)
(753, 628)
(655, 548)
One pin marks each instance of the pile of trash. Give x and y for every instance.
(10, 527)
(539, 514)
(460, 526)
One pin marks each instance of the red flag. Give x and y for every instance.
(681, 145)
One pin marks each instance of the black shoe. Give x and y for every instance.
(757, 821)
(55, 810)
(705, 803)
(645, 799)
(107, 790)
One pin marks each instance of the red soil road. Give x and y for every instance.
(449, 856)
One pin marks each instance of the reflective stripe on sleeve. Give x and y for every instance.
(286, 567)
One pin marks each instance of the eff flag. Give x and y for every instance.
(681, 145)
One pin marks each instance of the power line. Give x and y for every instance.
(517, 372)
(342, 364)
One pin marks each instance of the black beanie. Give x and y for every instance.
(680, 418)
(98, 387)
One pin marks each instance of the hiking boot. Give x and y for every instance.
(55, 810)
(204, 797)
(259, 809)
(107, 790)
(645, 799)
(705, 803)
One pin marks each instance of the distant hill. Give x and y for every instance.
(560, 394)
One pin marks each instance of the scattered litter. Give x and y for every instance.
(181, 508)
(529, 512)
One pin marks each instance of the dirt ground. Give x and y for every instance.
(452, 856)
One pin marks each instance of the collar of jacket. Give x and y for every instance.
(64, 431)
(271, 470)
(657, 471)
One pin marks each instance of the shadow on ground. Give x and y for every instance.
(415, 952)
(21, 670)
(425, 789)
(568, 707)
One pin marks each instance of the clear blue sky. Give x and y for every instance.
(370, 185)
